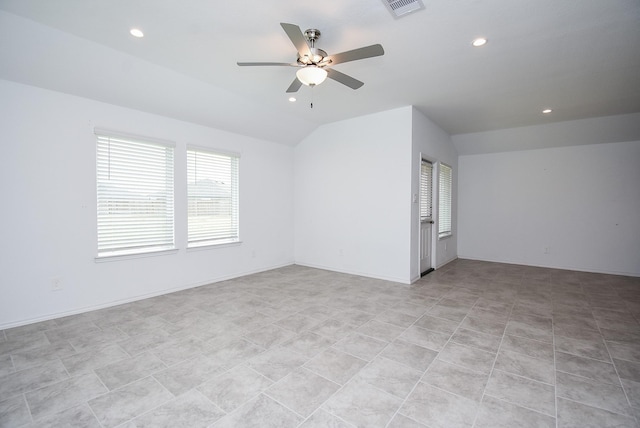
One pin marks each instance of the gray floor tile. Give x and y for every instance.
(380, 330)
(64, 394)
(79, 416)
(297, 323)
(401, 421)
(99, 357)
(390, 376)
(437, 324)
(14, 412)
(439, 409)
(361, 346)
(532, 348)
(179, 349)
(277, 363)
(629, 351)
(233, 353)
(482, 325)
(632, 389)
(628, 369)
(6, 365)
(261, 412)
(456, 379)
(471, 358)
(308, 344)
(588, 348)
(129, 370)
(322, 419)
(496, 413)
(184, 376)
(586, 367)
(189, 410)
(425, 338)
(31, 379)
(333, 329)
(201, 333)
(576, 415)
(138, 344)
(235, 387)
(475, 339)
(522, 329)
(269, 336)
(363, 405)
(302, 391)
(521, 391)
(37, 356)
(401, 319)
(526, 366)
(335, 365)
(596, 394)
(409, 354)
(129, 402)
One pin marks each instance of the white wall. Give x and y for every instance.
(352, 196)
(48, 215)
(580, 202)
(432, 143)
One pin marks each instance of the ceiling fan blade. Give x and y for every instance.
(343, 78)
(295, 85)
(299, 41)
(252, 64)
(355, 54)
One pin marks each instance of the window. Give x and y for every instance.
(444, 211)
(135, 195)
(426, 188)
(213, 197)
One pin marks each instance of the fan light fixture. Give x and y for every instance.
(311, 75)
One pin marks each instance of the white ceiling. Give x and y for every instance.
(579, 57)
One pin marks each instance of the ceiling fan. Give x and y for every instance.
(313, 63)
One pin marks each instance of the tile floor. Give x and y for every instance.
(473, 344)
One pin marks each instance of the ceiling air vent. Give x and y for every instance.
(400, 8)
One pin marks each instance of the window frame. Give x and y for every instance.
(141, 162)
(233, 236)
(445, 201)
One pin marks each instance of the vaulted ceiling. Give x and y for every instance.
(580, 58)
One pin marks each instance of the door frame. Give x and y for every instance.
(432, 250)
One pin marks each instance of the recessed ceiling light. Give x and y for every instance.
(547, 111)
(292, 99)
(480, 41)
(136, 32)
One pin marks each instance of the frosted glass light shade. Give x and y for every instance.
(311, 75)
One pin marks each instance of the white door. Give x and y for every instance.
(426, 215)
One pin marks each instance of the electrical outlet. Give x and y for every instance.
(56, 284)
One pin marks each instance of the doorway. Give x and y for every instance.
(426, 216)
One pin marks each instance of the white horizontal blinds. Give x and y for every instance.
(213, 197)
(426, 189)
(444, 211)
(135, 196)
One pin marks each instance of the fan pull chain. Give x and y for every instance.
(311, 104)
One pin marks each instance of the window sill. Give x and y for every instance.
(118, 257)
(213, 246)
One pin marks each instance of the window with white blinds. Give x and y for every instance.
(444, 201)
(426, 189)
(213, 197)
(135, 195)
